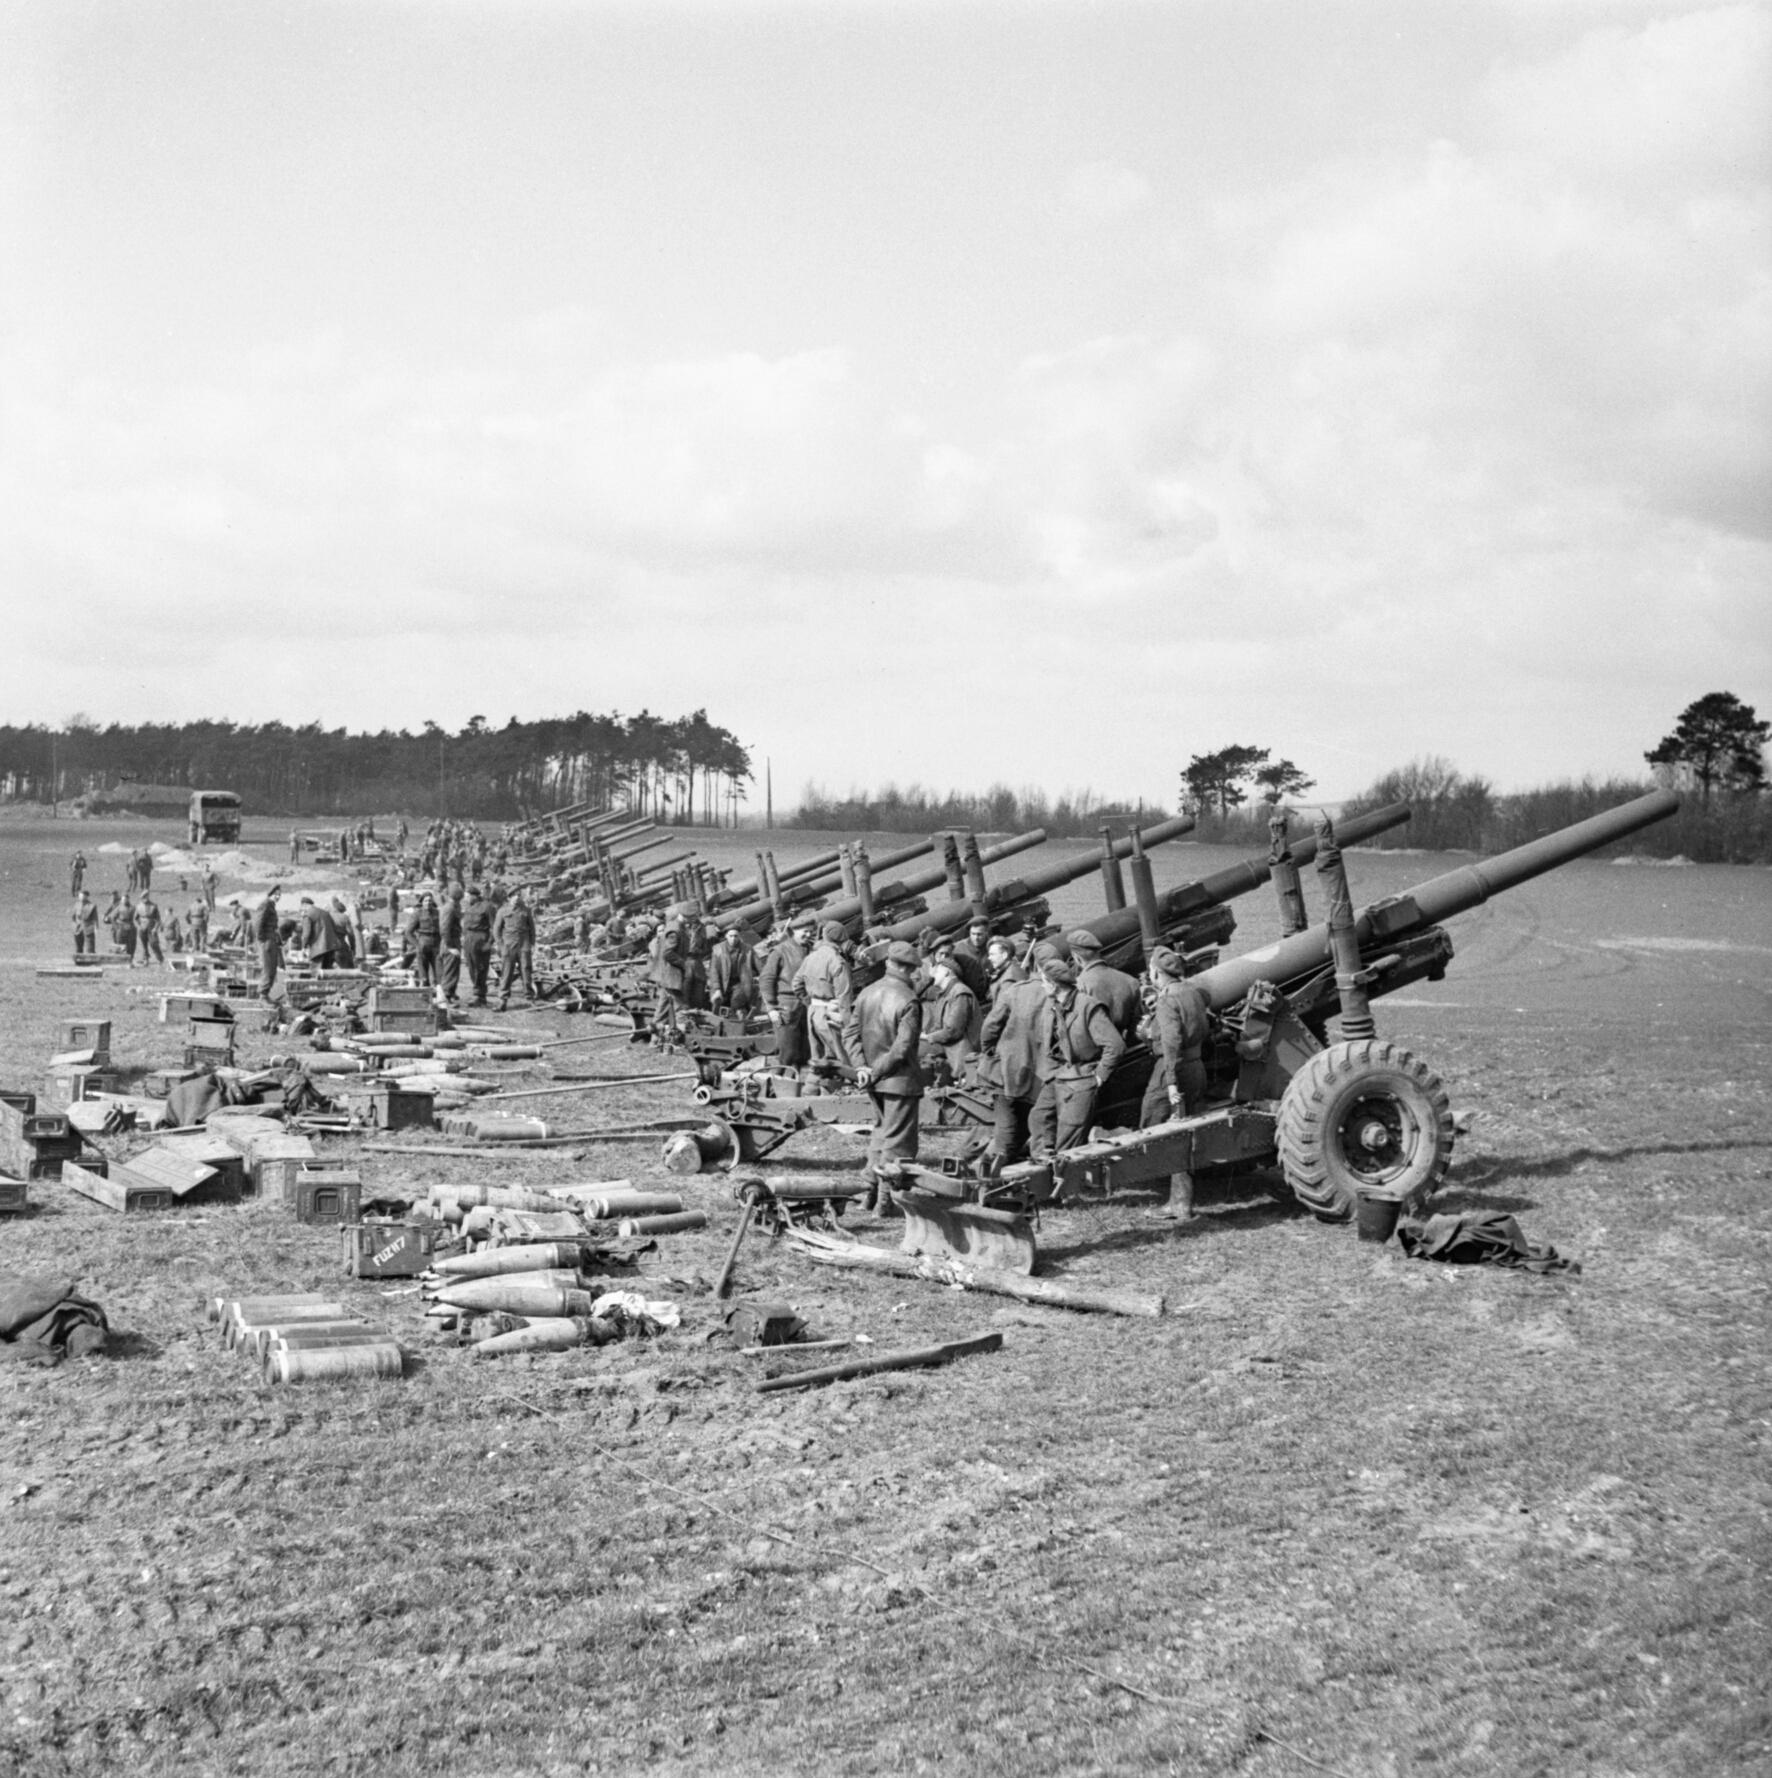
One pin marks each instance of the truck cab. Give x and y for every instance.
(215, 815)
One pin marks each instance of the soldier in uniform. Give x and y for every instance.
(267, 935)
(882, 1031)
(670, 975)
(449, 952)
(85, 926)
(424, 932)
(514, 934)
(476, 941)
(830, 996)
(1011, 1062)
(1005, 970)
(1179, 1026)
(77, 873)
(1114, 988)
(953, 1015)
(1078, 1046)
(732, 974)
(775, 988)
(197, 924)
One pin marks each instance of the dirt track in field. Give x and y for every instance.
(1335, 1507)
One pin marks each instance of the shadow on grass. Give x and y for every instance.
(1558, 1166)
(125, 1346)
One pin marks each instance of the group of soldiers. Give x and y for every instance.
(1041, 1022)
(138, 925)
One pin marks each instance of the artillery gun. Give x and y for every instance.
(1341, 1118)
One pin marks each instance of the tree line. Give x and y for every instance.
(996, 810)
(686, 769)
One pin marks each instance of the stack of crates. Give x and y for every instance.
(33, 1143)
(411, 1010)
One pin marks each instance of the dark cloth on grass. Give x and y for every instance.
(42, 1321)
(1480, 1239)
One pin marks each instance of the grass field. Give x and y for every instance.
(1337, 1511)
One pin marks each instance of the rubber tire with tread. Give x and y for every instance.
(1311, 1131)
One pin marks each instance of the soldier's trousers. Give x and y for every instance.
(1062, 1115)
(824, 1026)
(512, 964)
(477, 954)
(1155, 1109)
(894, 1136)
(1009, 1139)
(449, 974)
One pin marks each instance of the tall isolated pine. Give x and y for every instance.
(1721, 741)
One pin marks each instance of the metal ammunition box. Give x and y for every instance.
(388, 1249)
(328, 1194)
(14, 1195)
(393, 1108)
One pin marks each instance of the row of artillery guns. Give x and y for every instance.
(760, 1108)
(942, 898)
(1339, 1114)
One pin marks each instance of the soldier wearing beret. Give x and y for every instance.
(953, 1016)
(1078, 1046)
(882, 1032)
(1114, 988)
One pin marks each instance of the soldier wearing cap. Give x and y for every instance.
(1011, 1059)
(1079, 1046)
(85, 926)
(1179, 1027)
(882, 1032)
(1114, 988)
(953, 1016)
(830, 995)
(785, 1008)
(476, 940)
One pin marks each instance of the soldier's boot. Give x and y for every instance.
(1180, 1206)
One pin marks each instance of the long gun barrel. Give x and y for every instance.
(887, 895)
(1402, 916)
(1003, 896)
(753, 888)
(810, 889)
(1189, 900)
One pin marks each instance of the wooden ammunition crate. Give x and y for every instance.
(15, 1194)
(383, 999)
(181, 1176)
(88, 1034)
(392, 1108)
(328, 1194)
(175, 1008)
(83, 1080)
(276, 1163)
(220, 1157)
(412, 1024)
(388, 1249)
(116, 1189)
(22, 1121)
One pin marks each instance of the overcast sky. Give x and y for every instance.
(938, 393)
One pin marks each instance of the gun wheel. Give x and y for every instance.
(1363, 1116)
